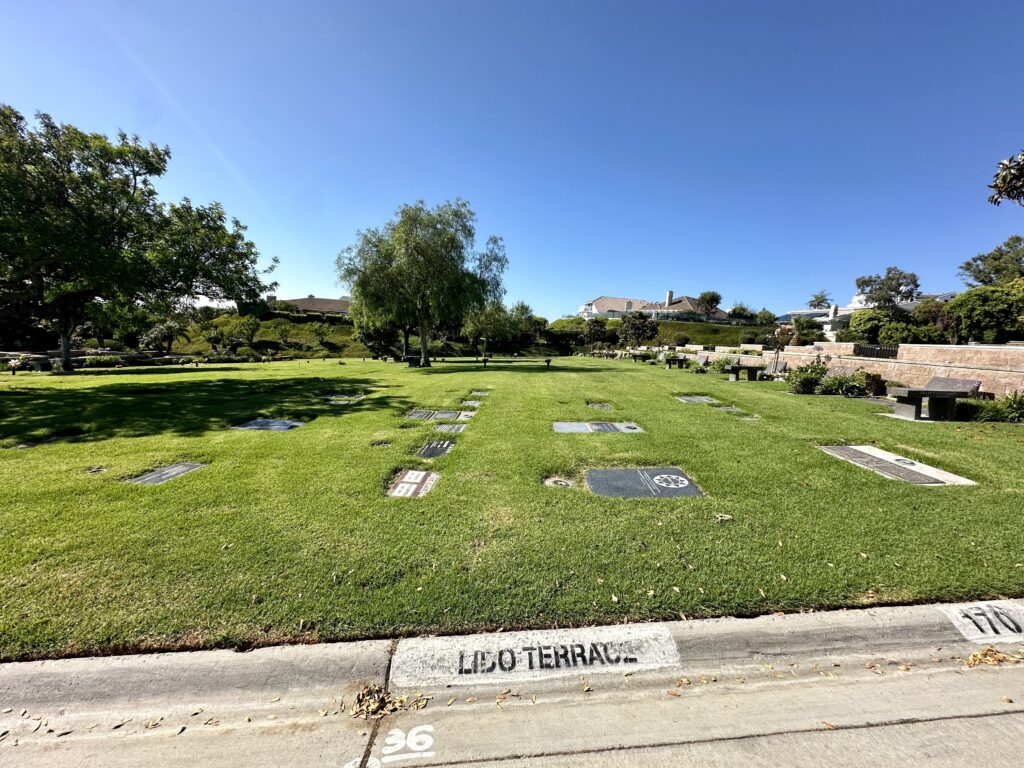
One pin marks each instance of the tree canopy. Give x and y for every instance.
(81, 223)
(708, 302)
(888, 290)
(636, 328)
(422, 266)
(1002, 264)
(819, 300)
(1008, 182)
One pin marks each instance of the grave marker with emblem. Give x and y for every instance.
(641, 483)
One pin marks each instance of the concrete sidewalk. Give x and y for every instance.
(868, 687)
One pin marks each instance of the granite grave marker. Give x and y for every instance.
(413, 483)
(641, 483)
(436, 448)
(163, 474)
(272, 425)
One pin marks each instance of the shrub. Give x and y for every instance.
(680, 339)
(847, 386)
(1013, 404)
(976, 409)
(101, 361)
(699, 369)
(719, 365)
(872, 383)
(804, 379)
(893, 334)
(248, 352)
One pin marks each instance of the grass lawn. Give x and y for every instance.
(289, 536)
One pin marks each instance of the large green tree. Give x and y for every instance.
(1008, 182)
(888, 290)
(197, 252)
(489, 324)
(1000, 265)
(708, 302)
(424, 263)
(636, 328)
(81, 226)
(77, 216)
(989, 313)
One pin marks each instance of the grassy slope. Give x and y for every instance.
(289, 536)
(699, 333)
(339, 342)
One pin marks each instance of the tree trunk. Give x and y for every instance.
(424, 343)
(405, 341)
(65, 348)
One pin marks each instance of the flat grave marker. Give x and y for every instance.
(436, 448)
(163, 474)
(596, 426)
(472, 403)
(641, 483)
(446, 415)
(571, 426)
(696, 399)
(271, 425)
(600, 406)
(479, 393)
(413, 483)
(420, 413)
(518, 657)
(466, 415)
(344, 399)
(450, 428)
(558, 482)
(894, 466)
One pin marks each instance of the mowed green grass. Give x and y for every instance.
(291, 537)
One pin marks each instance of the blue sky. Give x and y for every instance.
(762, 149)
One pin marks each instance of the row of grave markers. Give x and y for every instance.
(161, 475)
(413, 483)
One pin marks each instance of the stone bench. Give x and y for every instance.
(942, 394)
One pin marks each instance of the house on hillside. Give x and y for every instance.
(673, 307)
(835, 317)
(314, 304)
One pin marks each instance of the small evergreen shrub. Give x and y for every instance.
(847, 386)
(699, 369)
(872, 383)
(804, 379)
(247, 352)
(719, 365)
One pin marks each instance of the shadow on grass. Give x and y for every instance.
(122, 409)
(517, 366)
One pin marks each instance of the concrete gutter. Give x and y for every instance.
(726, 678)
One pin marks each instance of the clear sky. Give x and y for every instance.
(762, 149)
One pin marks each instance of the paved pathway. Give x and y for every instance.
(882, 686)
